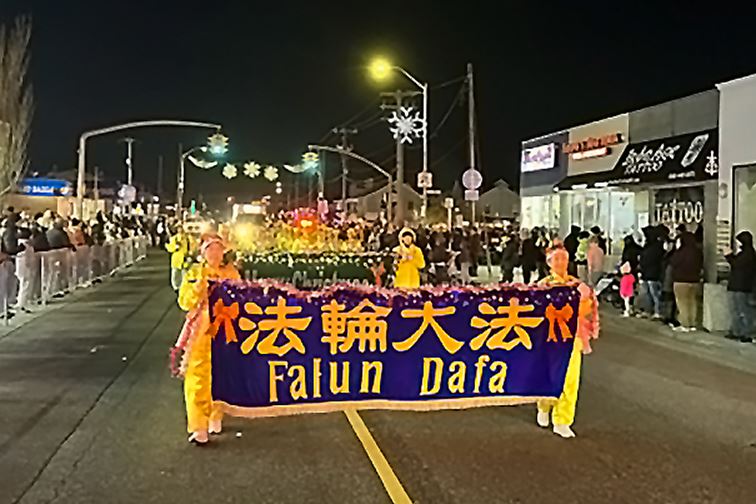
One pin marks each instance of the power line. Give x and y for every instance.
(449, 82)
(350, 120)
(454, 103)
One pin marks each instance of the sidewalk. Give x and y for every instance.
(56, 364)
(713, 347)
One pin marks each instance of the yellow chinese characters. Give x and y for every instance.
(513, 320)
(282, 324)
(559, 317)
(363, 324)
(428, 313)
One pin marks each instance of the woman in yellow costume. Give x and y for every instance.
(409, 261)
(562, 410)
(195, 340)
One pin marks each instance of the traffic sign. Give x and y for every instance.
(448, 203)
(472, 179)
(472, 195)
(425, 180)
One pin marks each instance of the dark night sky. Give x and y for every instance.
(278, 75)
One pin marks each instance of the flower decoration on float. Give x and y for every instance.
(230, 171)
(252, 169)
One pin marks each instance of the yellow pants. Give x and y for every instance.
(198, 387)
(564, 408)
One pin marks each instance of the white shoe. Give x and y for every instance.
(199, 438)
(216, 426)
(542, 419)
(564, 431)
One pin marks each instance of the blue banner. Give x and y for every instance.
(279, 352)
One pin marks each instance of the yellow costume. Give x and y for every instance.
(563, 409)
(410, 261)
(178, 246)
(197, 378)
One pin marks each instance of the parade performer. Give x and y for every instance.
(178, 246)
(409, 261)
(195, 340)
(563, 409)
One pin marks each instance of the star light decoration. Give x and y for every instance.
(406, 124)
(230, 171)
(252, 169)
(270, 173)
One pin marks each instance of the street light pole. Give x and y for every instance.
(367, 162)
(81, 185)
(423, 86)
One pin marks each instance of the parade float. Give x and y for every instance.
(306, 251)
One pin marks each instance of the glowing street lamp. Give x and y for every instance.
(380, 70)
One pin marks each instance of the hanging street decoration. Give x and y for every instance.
(230, 171)
(406, 124)
(202, 163)
(271, 173)
(310, 160)
(218, 144)
(252, 169)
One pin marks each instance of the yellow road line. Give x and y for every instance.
(390, 482)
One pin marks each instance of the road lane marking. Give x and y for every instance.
(390, 482)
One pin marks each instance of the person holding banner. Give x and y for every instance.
(195, 340)
(562, 410)
(409, 261)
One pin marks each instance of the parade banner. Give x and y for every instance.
(280, 351)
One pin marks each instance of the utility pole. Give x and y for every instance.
(96, 183)
(398, 98)
(345, 145)
(180, 184)
(471, 127)
(159, 190)
(129, 159)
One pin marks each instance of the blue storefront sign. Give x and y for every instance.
(44, 187)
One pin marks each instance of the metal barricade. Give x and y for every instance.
(39, 276)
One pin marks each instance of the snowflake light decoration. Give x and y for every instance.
(271, 173)
(406, 124)
(230, 171)
(252, 169)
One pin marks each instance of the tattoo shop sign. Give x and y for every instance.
(691, 157)
(278, 352)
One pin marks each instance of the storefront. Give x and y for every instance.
(543, 165)
(660, 181)
(737, 176)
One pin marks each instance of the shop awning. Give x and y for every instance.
(685, 158)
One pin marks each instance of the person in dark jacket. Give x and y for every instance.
(740, 287)
(509, 258)
(631, 254)
(687, 268)
(439, 257)
(651, 267)
(571, 243)
(57, 236)
(528, 257)
(39, 239)
(10, 236)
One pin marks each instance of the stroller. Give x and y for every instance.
(608, 290)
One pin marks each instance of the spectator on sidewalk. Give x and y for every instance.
(528, 257)
(627, 288)
(509, 257)
(598, 234)
(581, 256)
(687, 268)
(571, 245)
(651, 270)
(57, 236)
(740, 286)
(596, 255)
(631, 253)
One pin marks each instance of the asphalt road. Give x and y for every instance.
(89, 414)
